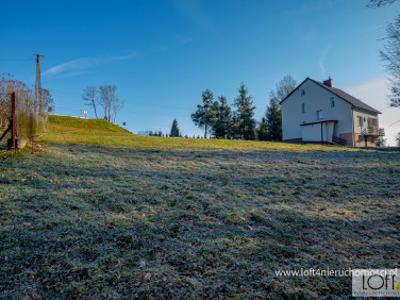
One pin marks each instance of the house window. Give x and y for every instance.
(332, 102)
(360, 121)
(303, 92)
(303, 108)
(320, 115)
(372, 124)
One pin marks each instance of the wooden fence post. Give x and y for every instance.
(13, 122)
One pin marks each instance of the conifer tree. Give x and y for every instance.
(245, 125)
(274, 115)
(222, 124)
(274, 120)
(174, 129)
(203, 117)
(262, 132)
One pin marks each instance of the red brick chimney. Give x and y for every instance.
(329, 82)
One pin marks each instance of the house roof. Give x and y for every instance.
(341, 94)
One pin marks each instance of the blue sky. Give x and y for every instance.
(163, 54)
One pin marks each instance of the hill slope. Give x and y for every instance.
(83, 222)
(66, 123)
(71, 130)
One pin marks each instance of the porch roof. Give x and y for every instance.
(318, 122)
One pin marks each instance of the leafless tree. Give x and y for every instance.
(391, 52)
(391, 55)
(116, 107)
(8, 85)
(30, 123)
(109, 101)
(90, 98)
(284, 88)
(48, 101)
(379, 3)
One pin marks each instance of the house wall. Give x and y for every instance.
(311, 133)
(315, 98)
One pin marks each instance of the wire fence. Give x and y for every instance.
(31, 112)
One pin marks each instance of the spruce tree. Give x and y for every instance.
(174, 129)
(274, 120)
(262, 132)
(274, 115)
(245, 125)
(222, 124)
(203, 117)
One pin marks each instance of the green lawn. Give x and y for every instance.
(143, 220)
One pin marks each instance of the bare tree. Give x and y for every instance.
(116, 106)
(48, 101)
(284, 88)
(30, 122)
(379, 3)
(109, 101)
(391, 55)
(391, 52)
(90, 98)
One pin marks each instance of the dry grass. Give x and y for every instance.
(69, 130)
(92, 222)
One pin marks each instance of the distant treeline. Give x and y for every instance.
(220, 120)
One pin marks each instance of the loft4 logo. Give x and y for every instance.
(376, 283)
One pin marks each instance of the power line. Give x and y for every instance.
(15, 59)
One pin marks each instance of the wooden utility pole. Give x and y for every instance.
(38, 102)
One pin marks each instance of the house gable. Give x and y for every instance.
(355, 103)
(316, 112)
(309, 103)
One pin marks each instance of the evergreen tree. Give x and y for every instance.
(222, 124)
(274, 115)
(203, 117)
(174, 129)
(245, 125)
(274, 120)
(262, 132)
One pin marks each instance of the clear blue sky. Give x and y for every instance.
(163, 54)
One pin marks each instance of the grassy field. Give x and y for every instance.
(69, 130)
(134, 217)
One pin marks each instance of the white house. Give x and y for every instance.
(318, 112)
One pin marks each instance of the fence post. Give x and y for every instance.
(13, 122)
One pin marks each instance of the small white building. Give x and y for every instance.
(320, 113)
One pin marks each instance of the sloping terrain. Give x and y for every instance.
(88, 221)
(70, 130)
